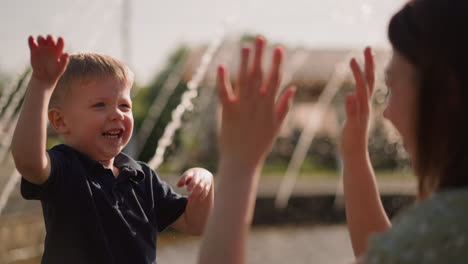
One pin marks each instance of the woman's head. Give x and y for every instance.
(430, 37)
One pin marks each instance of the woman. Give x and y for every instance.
(428, 83)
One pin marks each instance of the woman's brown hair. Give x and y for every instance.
(433, 36)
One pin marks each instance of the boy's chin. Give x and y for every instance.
(100, 153)
(110, 153)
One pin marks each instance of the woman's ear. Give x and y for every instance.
(57, 121)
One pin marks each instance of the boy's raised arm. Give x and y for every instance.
(28, 146)
(251, 119)
(364, 211)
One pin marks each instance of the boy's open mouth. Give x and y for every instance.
(114, 133)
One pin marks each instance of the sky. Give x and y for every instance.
(157, 27)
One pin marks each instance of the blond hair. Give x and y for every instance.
(83, 67)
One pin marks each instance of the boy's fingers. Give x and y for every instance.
(370, 69)
(32, 44)
(60, 44)
(284, 102)
(361, 89)
(257, 72)
(196, 193)
(182, 180)
(204, 193)
(50, 40)
(63, 62)
(192, 184)
(224, 86)
(204, 190)
(41, 40)
(274, 77)
(186, 178)
(242, 77)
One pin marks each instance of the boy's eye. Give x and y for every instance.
(125, 106)
(98, 105)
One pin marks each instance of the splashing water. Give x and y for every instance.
(186, 102)
(10, 118)
(8, 92)
(206, 105)
(297, 61)
(5, 142)
(9, 187)
(308, 134)
(158, 105)
(9, 113)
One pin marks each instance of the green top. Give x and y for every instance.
(432, 231)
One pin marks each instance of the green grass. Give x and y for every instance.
(309, 170)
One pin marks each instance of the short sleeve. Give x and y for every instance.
(58, 163)
(169, 205)
(434, 231)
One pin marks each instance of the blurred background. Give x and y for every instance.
(173, 47)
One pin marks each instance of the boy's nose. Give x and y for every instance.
(116, 114)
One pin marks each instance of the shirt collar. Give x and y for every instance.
(126, 164)
(122, 161)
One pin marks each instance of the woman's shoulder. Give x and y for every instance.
(431, 231)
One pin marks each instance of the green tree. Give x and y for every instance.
(146, 96)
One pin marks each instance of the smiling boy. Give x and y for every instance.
(99, 205)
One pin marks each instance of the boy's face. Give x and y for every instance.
(98, 117)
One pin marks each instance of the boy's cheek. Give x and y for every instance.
(129, 116)
(131, 124)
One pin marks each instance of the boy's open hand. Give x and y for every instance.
(358, 107)
(47, 58)
(198, 181)
(251, 117)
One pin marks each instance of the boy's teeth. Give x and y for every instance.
(113, 133)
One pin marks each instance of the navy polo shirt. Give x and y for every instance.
(93, 217)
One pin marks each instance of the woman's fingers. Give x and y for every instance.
(284, 102)
(369, 70)
(361, 86)
(224, 85)
(243, 75)
(274, 78)
(351, 106)
(256, 74)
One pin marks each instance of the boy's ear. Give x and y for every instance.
(57, 121)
